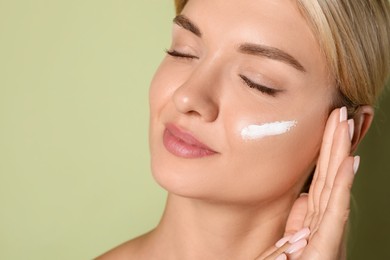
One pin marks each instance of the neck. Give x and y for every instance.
(195, 229)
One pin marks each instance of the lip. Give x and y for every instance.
(183, 144)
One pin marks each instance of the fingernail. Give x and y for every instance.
(343, 114)
(303, 233)
(296, 246)
(281, 257)
(356, 162)
(282, 241)
(303, 194)
(351, 127)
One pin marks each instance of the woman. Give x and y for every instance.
(252, 100)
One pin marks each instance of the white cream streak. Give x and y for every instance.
(259, 131)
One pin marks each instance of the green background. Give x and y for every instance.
(74, 163)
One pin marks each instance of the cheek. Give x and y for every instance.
(273, 165)
(159, 94)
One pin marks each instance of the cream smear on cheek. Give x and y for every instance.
(252, 132)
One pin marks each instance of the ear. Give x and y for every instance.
(363, 119)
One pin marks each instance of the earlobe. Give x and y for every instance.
(363, 119)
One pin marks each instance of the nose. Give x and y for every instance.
(197, 97)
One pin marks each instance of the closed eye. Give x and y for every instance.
(264, 89)
(178, 54)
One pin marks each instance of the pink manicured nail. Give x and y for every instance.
(296, 246)
(343, 114)
(303, 233)
(351, 127)
(281, 257)
(282, 241)
(356, 162)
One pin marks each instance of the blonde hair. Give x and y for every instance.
(354, 36)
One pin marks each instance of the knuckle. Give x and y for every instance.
(321, 178)
(328, 186)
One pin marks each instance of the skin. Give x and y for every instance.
(236, 203)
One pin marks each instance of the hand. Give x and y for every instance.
(315, 228)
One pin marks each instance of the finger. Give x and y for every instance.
(341, 149)
(288, 246)
(286, 250)
(322, 165)
(276, 252)
(296, 255)
(331, 230)
(298, 241)
(281, 257)
(337, 211)
(273, 252)
(295, 250)
(297, 215)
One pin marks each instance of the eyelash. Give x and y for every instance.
(266, 90)
(177, 54)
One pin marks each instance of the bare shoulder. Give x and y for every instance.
(132, 249)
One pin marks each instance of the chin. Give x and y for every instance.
(179, 182)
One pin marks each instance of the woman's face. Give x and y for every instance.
(234, 64)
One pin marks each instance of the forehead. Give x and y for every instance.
(276, 23)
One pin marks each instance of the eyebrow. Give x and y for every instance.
(247, 48)
(271, 53)
(186, 23)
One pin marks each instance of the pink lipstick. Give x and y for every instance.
(183, 144)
